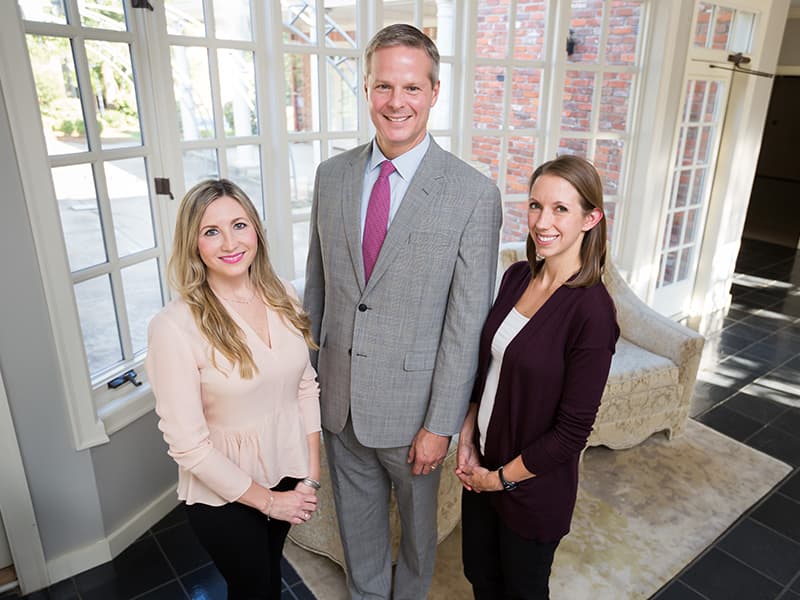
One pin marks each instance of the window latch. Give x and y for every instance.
(162, 187)
(123, 379)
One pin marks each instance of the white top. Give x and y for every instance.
(508, 330)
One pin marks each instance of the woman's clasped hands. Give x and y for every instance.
(295, 506)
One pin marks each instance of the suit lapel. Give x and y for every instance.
(423, 188)
(351, 210)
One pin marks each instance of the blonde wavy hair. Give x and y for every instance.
(187, 275)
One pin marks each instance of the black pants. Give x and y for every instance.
(245, 547)
(499, 563)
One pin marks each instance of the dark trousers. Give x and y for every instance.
(499, 563)
(245, 546)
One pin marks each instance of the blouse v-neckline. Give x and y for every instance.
(239, 318)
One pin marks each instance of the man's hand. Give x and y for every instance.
(427, 451)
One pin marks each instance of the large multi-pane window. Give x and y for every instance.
(548, 83)
(262, 93)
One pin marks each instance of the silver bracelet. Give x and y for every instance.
(312, 483)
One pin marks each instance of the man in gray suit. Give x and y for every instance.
(397, 319)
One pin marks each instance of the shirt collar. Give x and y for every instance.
(406, 164)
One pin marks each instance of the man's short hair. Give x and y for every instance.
(401, 34)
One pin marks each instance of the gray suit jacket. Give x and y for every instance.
(401, 351)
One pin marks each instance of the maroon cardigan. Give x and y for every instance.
(551, 381)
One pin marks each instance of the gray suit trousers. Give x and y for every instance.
(362, 480)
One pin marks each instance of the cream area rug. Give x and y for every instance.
(642, 515)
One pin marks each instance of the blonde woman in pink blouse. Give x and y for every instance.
(235, 392)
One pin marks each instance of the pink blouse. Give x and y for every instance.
(222, 430)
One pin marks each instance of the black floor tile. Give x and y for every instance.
(780, 513)
(772, 349)
(766, 551)
(789, 595)
(796, 585)
(678, 591)
(761, 409)
(747, 332)
(182, 548)
(171, 591)
(707, 395)
(777, 443)
(140, 568)
(791, 487)
(205, 584)
(63, 590)
(763, 387)
(288, 574)
(176, 515)
(301, 592)
(719, 576)
(731, 423)
(789, 422)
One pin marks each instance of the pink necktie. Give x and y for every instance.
(375, 224)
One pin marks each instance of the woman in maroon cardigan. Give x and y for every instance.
(544, 359)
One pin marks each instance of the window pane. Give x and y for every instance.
(680, 187)
(722, 27)
(130, 205)
(244, 168)
(303, 160)
(114, 93)
(442, 111)
(585, 26)
(299, 22)
(192, 92)
(676, 228)
(699, 187)
(104, 14)
(48, 11)
(487, 97)
(399, 11)
(615, 95)
(573, 146)
(439, 22)
(529, 30)
(199, 165)
(515, 221)
(525, 89)
(98, 323)
(703, 26)
(142, 298)
(486, 150)
(300, 238)
(608, 156)
(742, 35)
(624, 20)
(80, 215)
(576, 112)
(704, 145)
(300, 71)
(492, 31)
(185, 17)
(233, 20)
(695, 101)
(238, 92)
(689, 135)
(685, 262)
(59, 97)
(343, 89)
(519, 164)
(338, 146)
(340, 23)
(715, 94)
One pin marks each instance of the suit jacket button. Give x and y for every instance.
(362, 307)
(349, 352)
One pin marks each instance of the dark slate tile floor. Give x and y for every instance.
(748, 388)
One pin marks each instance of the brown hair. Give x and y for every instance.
(187, 275)
(401, 34)
(582, 175)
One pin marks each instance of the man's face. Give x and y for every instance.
(400, 96)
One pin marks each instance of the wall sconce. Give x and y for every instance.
(571, 41)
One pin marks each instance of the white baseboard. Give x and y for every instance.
(101, 551)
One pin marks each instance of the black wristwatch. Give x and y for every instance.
(507, 485)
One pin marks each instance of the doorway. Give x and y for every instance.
(772, 215)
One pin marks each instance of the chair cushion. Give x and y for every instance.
(642, 396)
